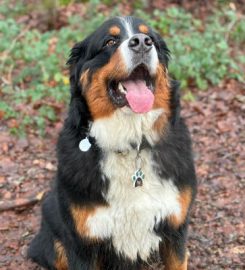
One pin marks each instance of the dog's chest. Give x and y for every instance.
(133, 212)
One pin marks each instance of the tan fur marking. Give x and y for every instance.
(97, 97)
(143, 28)
(80, 216)
(184, 201)
(84, 78)
(162, 98)
(173, 262)
(61, 259)
(114, 30)
(160, 123)
(98, 267)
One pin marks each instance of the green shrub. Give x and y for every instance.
(8, 112)
(38, 62)
(33, 67)
(200, 50)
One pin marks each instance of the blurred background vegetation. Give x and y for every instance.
(206, 39)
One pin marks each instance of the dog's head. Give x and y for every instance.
(122, 66)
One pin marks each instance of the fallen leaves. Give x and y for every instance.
(43, 164)
(216, 123)
(224, 126)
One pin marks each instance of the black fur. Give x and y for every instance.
(79, 178)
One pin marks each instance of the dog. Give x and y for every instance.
(125, 180)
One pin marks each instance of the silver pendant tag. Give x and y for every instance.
(84, 145)
(138, 178)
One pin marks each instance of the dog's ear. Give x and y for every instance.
(175, 101)
(78, 112)
(76, 61)
(163, 51)
(78, 51)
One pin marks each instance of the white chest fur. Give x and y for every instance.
(133, 212)
(124, 127)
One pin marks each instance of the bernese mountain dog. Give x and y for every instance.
(125, 179)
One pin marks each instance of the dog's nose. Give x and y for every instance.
(140, 43)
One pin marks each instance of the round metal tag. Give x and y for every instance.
(84, 145)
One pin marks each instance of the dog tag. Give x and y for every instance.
(84, 145)
(138, 182)
(138, 178)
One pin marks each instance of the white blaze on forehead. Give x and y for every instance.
(128, 27)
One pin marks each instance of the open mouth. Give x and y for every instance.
(135, 91)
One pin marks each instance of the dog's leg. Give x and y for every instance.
(76, 255)
(173, 247)
(174, 232)
(174, 262)
(76, 262)
(41, 249)
(70, 260)
(61, 262)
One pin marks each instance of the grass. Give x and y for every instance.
(33, 68)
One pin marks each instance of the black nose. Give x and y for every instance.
(140, 43)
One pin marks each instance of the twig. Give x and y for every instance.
(10, 73)
(230, 27)
(4, 80)
(12, 45)
(20, 203)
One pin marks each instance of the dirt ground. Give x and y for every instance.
(216, 235)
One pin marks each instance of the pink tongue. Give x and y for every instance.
(139, 96)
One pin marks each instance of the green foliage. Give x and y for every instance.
(8, 111)
(47, 112)
(38, 61)
(33, 66)
(17, 8)
(200, 50)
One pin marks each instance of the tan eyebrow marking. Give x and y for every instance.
(143, 28)
(114, 30)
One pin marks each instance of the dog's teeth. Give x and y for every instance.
(121, 88)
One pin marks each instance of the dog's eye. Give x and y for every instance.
(111, 42)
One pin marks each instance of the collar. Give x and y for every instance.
(144, 144)
(92, 142)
